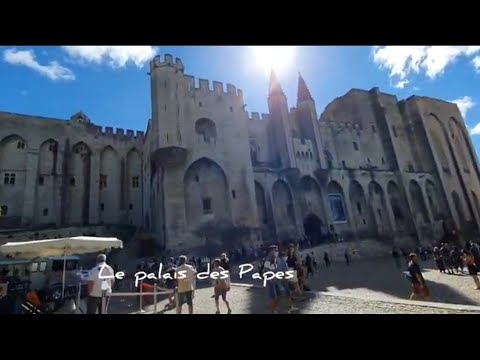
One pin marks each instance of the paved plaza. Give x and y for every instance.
(381, 279)
(365, 287)
(248, 300)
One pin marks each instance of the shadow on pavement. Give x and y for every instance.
(258, 302)
(381, 275)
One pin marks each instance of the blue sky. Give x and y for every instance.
(110, 83)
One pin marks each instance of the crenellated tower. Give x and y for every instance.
(166, 86)
(279, 125)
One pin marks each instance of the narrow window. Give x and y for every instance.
(207, 205)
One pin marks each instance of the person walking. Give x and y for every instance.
(326, 259)
(471, 267)
(186, 276)
(100, 282)
(419, 287)
(347, 257)
(276, 288)
(220, 286)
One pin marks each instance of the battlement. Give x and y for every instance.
(255, 116)
(203, 86)
(167, 61)
(118, 133)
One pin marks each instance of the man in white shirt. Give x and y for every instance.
(186, 276)
(100, 279)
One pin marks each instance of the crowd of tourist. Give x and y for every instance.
(182, 287)
(452, 259)
(277, 258)
(286, 257)
(449, 258)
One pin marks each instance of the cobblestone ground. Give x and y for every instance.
(369, 279)
(380, 278)
(245, 300)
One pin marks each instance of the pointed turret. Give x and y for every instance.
(279, 124)
(275, 88)
(303, 94)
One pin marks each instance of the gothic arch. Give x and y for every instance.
(462, 220)
(78, 184)
(205, 191)
(378, 204)
(476, 204)
(419, 208)
(283, 209)
(460, 144)
(47, 157)
(261, 203)
(397, 203)
(13, 171)
(312, 196)
(312, 227)
(439, 143)
(13, 153)
(47, 182)
(435, 201)
(362, 213)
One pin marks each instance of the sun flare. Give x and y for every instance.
(277, 58)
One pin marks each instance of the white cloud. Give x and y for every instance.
(476, 63)
(401, 84)
(464, 104)
(403, 61)
(115, 56)
(475, 130)
(53, 71)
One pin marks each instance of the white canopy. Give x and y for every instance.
(59, 247)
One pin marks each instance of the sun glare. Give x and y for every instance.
(277, 58)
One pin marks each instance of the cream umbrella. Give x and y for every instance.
(60, 247)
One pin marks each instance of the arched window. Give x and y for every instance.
(207, 129)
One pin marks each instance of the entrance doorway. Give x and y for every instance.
(147, 246)
(312, 225)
